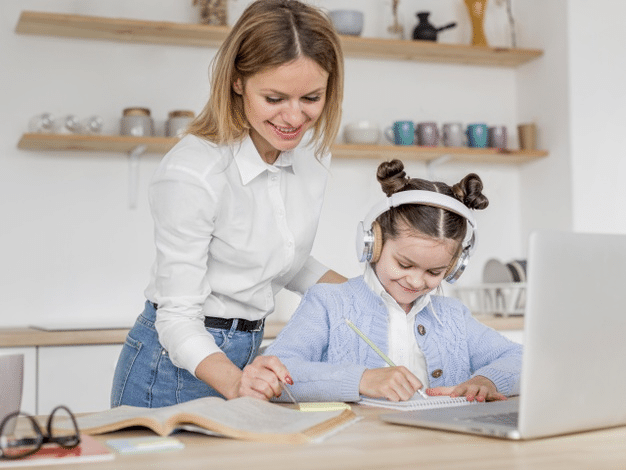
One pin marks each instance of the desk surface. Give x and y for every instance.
(372, 444)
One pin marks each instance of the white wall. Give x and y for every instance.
(597, 71)
(73, 251)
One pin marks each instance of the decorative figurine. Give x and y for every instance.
(396, 29)
(213, 12)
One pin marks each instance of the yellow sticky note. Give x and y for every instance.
(324, 406)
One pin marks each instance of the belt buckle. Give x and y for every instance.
(260, 325)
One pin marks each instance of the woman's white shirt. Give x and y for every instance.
(230, 232)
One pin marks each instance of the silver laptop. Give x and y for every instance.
(573, 375)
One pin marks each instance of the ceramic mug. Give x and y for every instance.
(527, 134)
(477, 135)
(453, 135)
(11, 384)
(427, 134)
(401, 133)
(497, 137)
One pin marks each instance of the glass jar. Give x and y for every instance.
(136, 122)
(177, 122)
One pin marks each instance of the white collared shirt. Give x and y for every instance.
(403, 347)
(230, 232)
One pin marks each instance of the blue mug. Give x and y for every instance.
(477, 135)
(401, 133)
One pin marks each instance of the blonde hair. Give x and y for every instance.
(268, 34)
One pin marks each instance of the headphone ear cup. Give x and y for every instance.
(459, 265)
(377, 246)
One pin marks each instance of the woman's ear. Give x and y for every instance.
(238, 86)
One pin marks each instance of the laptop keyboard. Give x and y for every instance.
(507, 419)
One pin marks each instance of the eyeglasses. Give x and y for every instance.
(26, 441)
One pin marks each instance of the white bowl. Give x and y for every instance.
(361, 132)
(348, 22)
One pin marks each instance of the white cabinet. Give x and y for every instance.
(79, 377)
(29, 390)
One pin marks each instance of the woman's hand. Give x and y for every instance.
(392, 383)
(262, 379)
(477, 388)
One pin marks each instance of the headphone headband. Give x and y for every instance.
(369, 243)
(418, 196)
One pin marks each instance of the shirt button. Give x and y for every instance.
(421, 330)
(437, 373)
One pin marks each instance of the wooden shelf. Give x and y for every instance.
(160, 145)
(198, 35)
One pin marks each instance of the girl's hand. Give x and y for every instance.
(262, 379)
(392, 383)
(477, 388)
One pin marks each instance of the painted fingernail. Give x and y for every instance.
(288, 380)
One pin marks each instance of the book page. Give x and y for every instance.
(242, 418)
(416, 402)
(250, 418)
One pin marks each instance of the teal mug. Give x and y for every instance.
(477, 135)
(401, 133)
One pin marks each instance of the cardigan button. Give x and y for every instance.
(421, 330)
(437, 373)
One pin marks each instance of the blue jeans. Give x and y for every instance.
(146, 377)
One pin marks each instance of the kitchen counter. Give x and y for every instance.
(29, 336)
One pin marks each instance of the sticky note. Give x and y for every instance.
(324, 406)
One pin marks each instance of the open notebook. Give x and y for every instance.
(417, 402)
(573, 346)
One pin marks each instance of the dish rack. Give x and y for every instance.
(504, 299)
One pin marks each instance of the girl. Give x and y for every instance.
(434, 341)
(236, 205)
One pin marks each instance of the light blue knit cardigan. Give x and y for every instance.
(326, 358)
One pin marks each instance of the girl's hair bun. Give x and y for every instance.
(392, 177)
(470, 192)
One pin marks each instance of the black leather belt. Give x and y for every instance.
(227, 323)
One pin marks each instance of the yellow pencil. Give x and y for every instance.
(377, 350)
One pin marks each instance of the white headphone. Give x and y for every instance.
(369, 234)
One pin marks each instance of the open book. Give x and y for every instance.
(240, 418)
(416, 402)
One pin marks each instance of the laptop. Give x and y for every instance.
(572, 375)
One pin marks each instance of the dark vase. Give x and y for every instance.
(425, 31)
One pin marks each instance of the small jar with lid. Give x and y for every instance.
(136, 122)
(177, 122)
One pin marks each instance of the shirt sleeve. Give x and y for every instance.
(310, 273)
(302, 346)
(494, 356)
(184, 212)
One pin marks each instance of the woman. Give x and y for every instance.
(236, 205)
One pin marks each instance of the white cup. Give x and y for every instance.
(11, 385)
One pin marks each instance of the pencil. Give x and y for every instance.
(377, 350)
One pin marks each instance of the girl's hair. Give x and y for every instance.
(271, 33)
(430, 221)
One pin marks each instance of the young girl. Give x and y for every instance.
(434, 341)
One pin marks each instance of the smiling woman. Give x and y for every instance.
(236, 205)
(282, 103)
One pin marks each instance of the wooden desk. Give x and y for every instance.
(372, 444)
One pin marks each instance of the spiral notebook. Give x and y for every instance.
(417, 402)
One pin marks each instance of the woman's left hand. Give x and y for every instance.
(477, 388)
